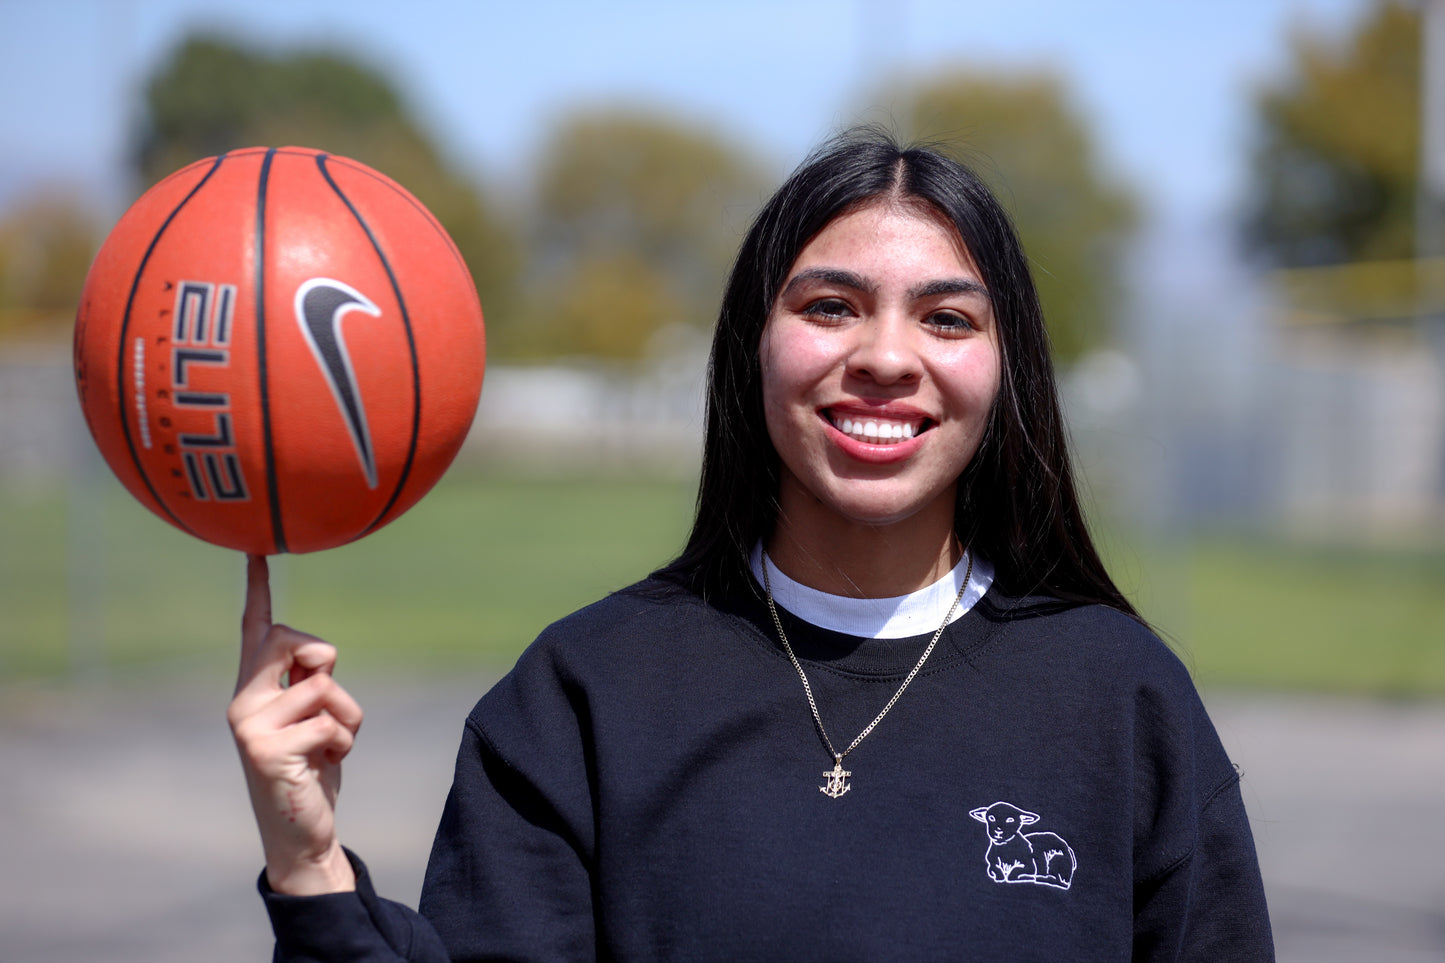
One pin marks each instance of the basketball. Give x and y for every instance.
(278, 350)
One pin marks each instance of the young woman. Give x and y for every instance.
(887, 703)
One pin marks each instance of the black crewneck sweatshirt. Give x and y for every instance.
(645, 785)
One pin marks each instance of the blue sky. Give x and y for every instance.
(1166, 83)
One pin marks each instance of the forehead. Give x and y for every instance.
(890, 238)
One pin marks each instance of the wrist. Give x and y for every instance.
(329, 872)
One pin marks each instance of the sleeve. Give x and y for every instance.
(1198, 895)
(1210, 904)
(509, 875)
(357, 926)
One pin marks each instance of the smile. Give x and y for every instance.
(878, 431)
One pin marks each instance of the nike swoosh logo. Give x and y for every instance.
(321, 304)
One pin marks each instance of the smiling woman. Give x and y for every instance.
(888, 571)
(880, 366)
(1014, 497)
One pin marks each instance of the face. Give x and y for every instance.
(880, 363)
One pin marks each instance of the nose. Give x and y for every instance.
(884, 352)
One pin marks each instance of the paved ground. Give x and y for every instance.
(125, 835)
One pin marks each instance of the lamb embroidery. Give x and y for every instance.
(1015, 856)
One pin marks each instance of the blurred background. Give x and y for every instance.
(1236, 215)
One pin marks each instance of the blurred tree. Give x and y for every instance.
(1023, 137)
(46, 246)
(1337, 146)
(213, 95)
(609, 305)
(635, 222)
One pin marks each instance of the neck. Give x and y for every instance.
(865, 561)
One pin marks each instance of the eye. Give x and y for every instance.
(828, 309)
(949, 321)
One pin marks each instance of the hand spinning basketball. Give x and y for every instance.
(278, 350)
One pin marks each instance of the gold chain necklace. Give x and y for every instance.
(837, 779)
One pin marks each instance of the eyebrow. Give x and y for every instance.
(848, 279)
(933, 289)
(837, 276)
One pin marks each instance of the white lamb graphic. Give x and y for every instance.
(1018, 857)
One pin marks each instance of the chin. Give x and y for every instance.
(877, 510)
(821, 499)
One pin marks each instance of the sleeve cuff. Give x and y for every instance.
(337, 926)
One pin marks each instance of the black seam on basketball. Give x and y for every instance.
(410, 343)
(272, 485)
(410, 199)
(124, 330)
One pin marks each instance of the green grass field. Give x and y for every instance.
(470, 575)
(1248, 612)
(91, 584)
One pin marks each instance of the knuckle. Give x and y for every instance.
(238, 715)
(316, 685)
(244, 731)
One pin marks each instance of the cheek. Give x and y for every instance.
(768, 375)
(974, 382)
(791, 366)
(791, 369)
(773, 378)
(988, 391)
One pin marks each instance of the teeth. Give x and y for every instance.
(876, 431)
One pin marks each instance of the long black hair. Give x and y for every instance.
(1016, 504)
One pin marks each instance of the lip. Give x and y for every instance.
(872, 453)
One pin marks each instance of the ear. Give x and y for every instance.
(981, 814)
(1028, 819)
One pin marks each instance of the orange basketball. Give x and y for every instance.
(278, 350)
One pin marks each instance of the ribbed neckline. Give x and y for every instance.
(900, 617)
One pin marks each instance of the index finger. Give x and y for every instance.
(256, 616)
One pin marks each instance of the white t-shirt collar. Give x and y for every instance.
(902, 617)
